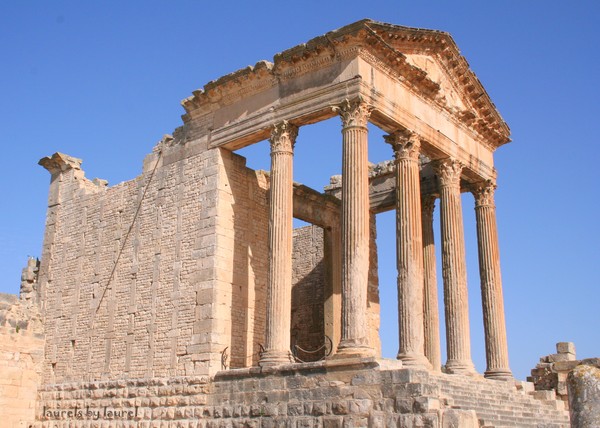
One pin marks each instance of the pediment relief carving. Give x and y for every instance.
(448, 95)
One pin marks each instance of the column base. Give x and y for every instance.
(414, 360)
(460, 367)
(498, 374)
(275, 358)
(353, 349)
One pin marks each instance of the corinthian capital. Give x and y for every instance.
(354, 113)
(406, 144)
(448, 170)
(483, 192)
(428, 206)
(283, 137)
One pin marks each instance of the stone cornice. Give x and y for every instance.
(231, 87)
(380, 44)
(486, 121)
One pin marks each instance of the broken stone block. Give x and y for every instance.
(584, 395)
(565, 348)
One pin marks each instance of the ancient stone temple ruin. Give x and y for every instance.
(185, 298)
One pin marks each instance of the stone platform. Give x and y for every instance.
(342, 393)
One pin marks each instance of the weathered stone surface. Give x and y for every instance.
(552, 370)
(21, 352)
(453, 418)
(584, 394)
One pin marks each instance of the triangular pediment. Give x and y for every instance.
(449, 93)
(459, 90)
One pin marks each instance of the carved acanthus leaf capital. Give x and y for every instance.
(448, 170)
(483, 192)
(354, 113)
(283, 137)
(406, 144)
(428, 206)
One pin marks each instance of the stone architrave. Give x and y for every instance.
(279, 289)
(431, 319)
(496, 348)
(454, 269)
(409, 248)
(355, 228)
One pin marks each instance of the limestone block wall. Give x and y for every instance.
(373, 307)
(166, 274)
(241, 261)
(550, 374)
(356, 394)
(311, 272)
(123, 268)
(21, 360)
(308, 279)
(306, 396)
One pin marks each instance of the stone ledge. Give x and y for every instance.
(299, 368)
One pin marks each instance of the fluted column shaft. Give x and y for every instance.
(431, 319)
(279, 288)
(409, 248)
(454, 270)
(496, 348)
(355, 229)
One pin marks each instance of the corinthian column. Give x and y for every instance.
(454, 269)
(279, 288)
(355, 229)
(496, 349)
(409, 248)
(430, 295)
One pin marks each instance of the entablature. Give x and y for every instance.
(414, 79)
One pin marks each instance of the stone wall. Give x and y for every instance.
(21, 359)
(373, 307)
(241, 260)
(311, 276)
(123, 267)
(308, 279)
(354, 393)
(163, 275)
(118, 286)
(550, 374)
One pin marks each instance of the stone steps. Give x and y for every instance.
(502, 404)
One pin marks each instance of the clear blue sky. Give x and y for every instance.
(103, 80)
